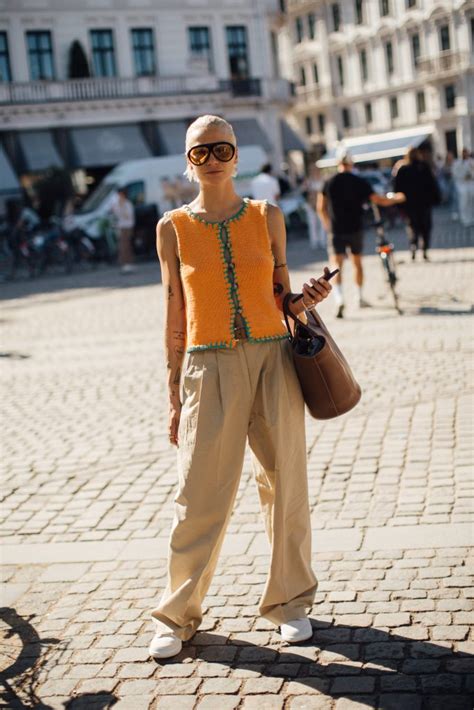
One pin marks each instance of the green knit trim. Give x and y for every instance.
(209, 346)
(268, 338)
(242, 209)
(230, 345)
(232, 285)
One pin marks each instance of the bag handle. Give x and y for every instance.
(288, 313)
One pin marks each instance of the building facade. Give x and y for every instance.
(88, 85)
(381, 74)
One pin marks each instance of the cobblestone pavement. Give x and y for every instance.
(88, 482)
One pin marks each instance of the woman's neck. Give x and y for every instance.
(217, 201)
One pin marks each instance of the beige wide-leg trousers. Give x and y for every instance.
(228, 396)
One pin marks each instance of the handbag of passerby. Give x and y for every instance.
(231, 378)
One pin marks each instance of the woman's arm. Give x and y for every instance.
(175, 317)
(317, 291)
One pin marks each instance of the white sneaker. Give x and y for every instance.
(165, 644)
(296, 630)
(128, 269)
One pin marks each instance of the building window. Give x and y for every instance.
(415, 49)
(393, 107)
(237, 52)
(420, 103)
(312, 25)
(364, 67)
(472, 33)
(346, 118)
(321, 122)
(450, 95)
(299, 29)
(315, 73)
(444, 38)
(5, 72)
(384, 7)
(359, 12)
(368, 113)
(103, 55)
(451, 142)
(200, 44)
(336, 16)
(40, 54)
(143, 52)
(308, 125)
(302, 76)
(411, 3)
(340, 70)
(389, 57)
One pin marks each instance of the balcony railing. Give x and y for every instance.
(104, 88)
(444, 62)
(241, 87)
(43, 92)
(314, 92)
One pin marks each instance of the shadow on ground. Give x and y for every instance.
(23, 655)
(386, 671)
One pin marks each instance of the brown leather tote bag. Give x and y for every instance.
(328, 385)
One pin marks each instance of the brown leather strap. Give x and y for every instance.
(311, 315)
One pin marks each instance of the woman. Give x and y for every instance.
(224, 272)
(416, 180)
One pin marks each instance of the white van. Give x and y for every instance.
(143, 180)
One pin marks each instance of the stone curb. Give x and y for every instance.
(409, 537)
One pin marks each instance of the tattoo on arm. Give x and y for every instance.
(277, 289)
(279, 266)
(177, 377)
(170, 292)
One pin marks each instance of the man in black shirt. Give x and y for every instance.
(340, 208)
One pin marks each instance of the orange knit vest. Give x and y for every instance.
(227, 268)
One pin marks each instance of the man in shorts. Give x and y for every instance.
(340, 209)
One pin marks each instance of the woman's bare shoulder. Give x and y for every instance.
(165, 232)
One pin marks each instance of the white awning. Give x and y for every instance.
(105, 146)
(393, 144)
(8, 180)
(39, 150)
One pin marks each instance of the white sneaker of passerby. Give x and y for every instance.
(165, 644)
(296, 630)
(128, 269)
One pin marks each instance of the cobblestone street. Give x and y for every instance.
(88, 481)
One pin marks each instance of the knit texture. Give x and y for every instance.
(213, 290)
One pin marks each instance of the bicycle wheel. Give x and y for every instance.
(389, 266)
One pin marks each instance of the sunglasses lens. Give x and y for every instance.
(198, 155)
(223, 152)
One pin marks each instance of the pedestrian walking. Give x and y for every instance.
(418, 183)
(264, 186)
(231, 378)
(313, 186)
(463, 173)
(340, 207)
(123, 212)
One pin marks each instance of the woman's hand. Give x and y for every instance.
(317, 290)
(173, 422)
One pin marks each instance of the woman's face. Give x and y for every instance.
(213, 171)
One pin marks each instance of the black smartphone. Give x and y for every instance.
(328, 278)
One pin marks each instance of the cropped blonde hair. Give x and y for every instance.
(201, 124)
